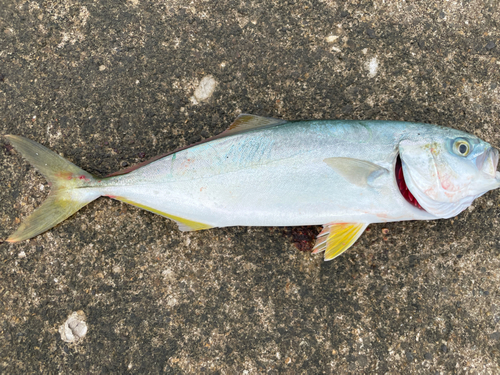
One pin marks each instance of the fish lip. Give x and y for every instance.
(493, 154)
(402, 186)
(494, 157)
(487, 162)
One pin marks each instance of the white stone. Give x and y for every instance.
(372, 66)
(74, 328)
(205, 89)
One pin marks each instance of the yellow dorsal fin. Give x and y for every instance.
(246, 122)
(335, 238)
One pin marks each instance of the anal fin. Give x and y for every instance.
(184, 225)
(335, 238)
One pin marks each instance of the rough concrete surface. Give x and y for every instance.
(111, 83)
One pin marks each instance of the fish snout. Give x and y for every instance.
(488, 162)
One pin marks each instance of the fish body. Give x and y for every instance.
(275, 177)
(343, 175)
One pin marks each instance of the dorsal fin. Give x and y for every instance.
(246, 122)
(243, 123)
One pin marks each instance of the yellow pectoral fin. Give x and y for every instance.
(185, 225)
(335, 238)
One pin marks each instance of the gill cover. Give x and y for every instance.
(446, 174)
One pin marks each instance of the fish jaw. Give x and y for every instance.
(488, 162)
(488, 168)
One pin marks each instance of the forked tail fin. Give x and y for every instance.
(71, 188)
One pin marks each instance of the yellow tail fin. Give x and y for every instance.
(71, 188)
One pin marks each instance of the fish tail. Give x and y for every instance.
(71, 188)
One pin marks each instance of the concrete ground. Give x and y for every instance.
(112, 83)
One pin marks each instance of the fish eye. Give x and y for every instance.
(461, 147)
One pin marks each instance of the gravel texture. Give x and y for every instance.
(109, 84)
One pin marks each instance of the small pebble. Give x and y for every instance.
(21, 255)
(74, 328)
(204, 90)
(331, 38)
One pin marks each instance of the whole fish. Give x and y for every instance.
(343, 175)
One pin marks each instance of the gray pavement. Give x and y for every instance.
(111, 83)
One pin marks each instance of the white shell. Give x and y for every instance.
(74, 328)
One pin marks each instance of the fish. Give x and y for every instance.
(341, 174)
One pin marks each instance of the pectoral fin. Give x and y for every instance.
(358, 172)
(335, 238)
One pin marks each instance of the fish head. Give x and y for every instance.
(446, 169)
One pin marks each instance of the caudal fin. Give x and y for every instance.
(70, 188)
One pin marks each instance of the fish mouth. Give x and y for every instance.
(487, 162)
(403, 188)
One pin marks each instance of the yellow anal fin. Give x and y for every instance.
(185, 225)
(335, 238)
